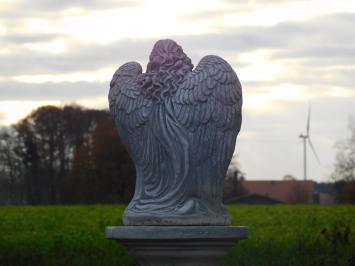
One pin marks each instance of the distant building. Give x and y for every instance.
(252, 199)
(324, 193)
(281, 191)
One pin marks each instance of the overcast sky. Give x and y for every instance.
(286, 53)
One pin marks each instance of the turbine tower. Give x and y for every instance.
(306, 139)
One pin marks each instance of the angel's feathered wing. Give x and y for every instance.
(208, 104)
(129, 107)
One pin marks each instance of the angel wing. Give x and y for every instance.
(128, 106)
(208, 104)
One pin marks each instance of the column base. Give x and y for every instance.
(177, 245)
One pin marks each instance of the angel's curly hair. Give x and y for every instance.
(167, 67)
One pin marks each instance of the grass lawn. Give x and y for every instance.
(278, 235)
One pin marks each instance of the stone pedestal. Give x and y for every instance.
(177, 245)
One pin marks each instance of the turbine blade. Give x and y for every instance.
(313, 150)
(308, 118)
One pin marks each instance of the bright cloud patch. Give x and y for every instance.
(12, 111)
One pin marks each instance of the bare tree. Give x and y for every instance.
(345, 160)
(11, 168)
(344, 168)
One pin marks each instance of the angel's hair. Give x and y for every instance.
(167, 67)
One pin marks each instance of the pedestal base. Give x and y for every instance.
(177, 245)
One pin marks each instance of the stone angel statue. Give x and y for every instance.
(180, 127)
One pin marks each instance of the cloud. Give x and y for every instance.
(240, 7)
(64, 91)
(320, 41)
(19, 38)
(79, 57)
(317, 61)
(316, 78)
(44, 5)
(331, 31)
(329, 36)
(24, 8)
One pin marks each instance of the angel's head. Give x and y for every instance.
(167, 55)
(167, 67)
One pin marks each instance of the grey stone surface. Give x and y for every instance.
(177, 245)
(180, 126)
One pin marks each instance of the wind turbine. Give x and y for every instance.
(306, 139)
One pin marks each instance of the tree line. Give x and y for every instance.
(71, 155)
(64, 155)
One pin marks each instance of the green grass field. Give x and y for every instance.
(278, 235)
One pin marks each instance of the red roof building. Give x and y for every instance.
(287, 191)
